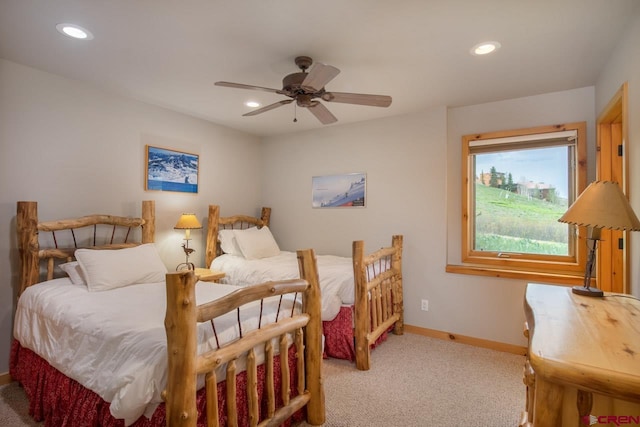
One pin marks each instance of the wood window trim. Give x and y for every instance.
(532, 268)
(569, 279)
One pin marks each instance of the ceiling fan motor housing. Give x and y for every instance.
(291, 86)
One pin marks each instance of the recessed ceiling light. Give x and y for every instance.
(485, 48)
(74, 31)
(252, 104)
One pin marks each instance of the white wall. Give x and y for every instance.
(413, 166)
(78, 151)
(624, 66)
(400, 188)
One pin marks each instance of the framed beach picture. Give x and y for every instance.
(171, 170)
(337, 191)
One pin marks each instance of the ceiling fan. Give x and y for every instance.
(304, 87)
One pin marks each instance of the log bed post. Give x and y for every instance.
(362, 310)
(398, 303)
(265, 216)
(313, 337)
(181, 316)
(149, 226)
(212, 234)
(28, 245)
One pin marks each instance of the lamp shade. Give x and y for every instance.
(602, 205)
(188, 221)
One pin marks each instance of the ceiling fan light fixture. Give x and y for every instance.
(485, 48)
(74, 31)
(252, 104)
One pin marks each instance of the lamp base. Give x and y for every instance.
(587, 292)
(185, 266)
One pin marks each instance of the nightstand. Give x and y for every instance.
(207, 275)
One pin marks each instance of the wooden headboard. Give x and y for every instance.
(237, 222)
(31, 254)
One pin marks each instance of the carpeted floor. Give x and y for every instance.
(14, 407)
(420, 381)
(413, 381)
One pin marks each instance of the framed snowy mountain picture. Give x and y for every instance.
(337, 191)
(171, 170)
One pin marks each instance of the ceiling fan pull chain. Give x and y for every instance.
(295, 113)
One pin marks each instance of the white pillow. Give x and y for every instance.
(256, 243)
(110, 269)
(73, 271)
(228, 242)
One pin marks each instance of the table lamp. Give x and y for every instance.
(187, 222)
(601, 205)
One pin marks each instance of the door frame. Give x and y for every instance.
(613, 274)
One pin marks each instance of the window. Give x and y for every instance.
(516, 184)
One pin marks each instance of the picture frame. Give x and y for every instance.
(171, 170)
(339, 191)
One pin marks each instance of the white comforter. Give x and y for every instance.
(335, 274)
(114, 342)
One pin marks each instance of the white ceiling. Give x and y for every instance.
(170, 53)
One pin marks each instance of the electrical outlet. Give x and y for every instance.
(425, 305)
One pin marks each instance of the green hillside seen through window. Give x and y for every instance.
(509, 222)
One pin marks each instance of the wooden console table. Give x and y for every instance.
(583, 357)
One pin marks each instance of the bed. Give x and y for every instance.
(119, 341)
(361, 296)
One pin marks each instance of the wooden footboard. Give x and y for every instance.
(185, 364)
(378, 296)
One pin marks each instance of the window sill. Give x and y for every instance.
(530, 276)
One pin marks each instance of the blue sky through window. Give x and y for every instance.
(540, 165)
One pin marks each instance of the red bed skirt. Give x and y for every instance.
(338, 336)
(60, 401)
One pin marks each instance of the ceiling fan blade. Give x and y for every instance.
(269, 107)
(242, 86)
(357, 98)
(321, 113)
(319, 75)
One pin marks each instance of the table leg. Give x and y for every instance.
(584, 401)
(548, 403)
(530, 383)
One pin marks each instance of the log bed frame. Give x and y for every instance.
(378, 299)
(183, 316)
